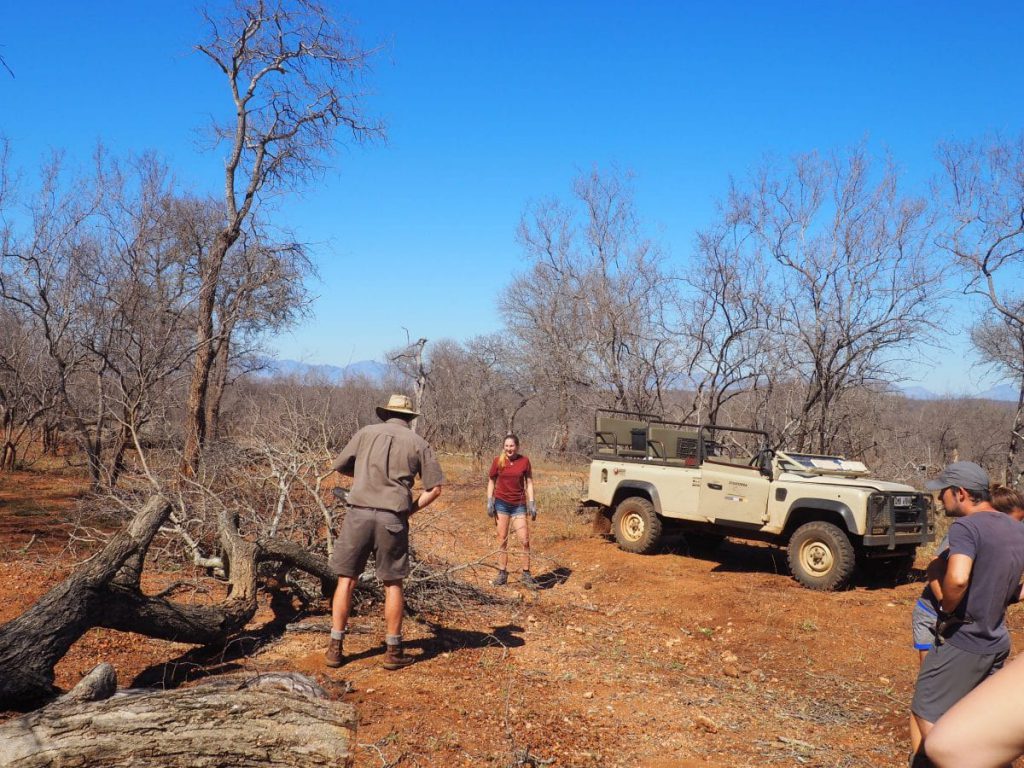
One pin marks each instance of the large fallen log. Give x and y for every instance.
(34, 642)
(265, 720)
(105, 592)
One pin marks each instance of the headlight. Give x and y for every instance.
(878, 519)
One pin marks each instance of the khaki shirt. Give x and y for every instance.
(384, 459)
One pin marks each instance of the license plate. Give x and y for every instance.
(902, 501)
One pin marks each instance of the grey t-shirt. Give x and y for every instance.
(995, 542)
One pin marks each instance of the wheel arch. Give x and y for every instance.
(640, 488)
(826, 511)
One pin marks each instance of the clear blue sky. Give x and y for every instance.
(491, 105)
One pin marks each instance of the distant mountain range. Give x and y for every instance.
(369, 369)
(1002, 392)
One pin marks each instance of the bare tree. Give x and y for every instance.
(293, 76)
(1000, 341)
(544, 313)
(263, 290)
(104, 282)
(50, 281)
(849, 263)
(500, 367)
(590, 311)
(27, 388)
(984, 202)
(727, 321)
(474, 396)
(410, 362)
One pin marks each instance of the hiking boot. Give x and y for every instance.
(334, 656)
(501, 579)
(397, 658)
(529, 581)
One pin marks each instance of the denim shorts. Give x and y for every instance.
(922, 622)
(512, 510)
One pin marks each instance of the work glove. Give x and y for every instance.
(531, 507)
(490, 507)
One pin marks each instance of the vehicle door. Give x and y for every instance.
(733, 493)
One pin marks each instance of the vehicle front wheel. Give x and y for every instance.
(821, 556)
(636, 526)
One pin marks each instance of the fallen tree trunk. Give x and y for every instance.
(267, 720)
(32, 644)
(104, 592)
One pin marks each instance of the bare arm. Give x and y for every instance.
(490, 488)
(954, 583)
(934, 574)
(426, 499)
(529, 489)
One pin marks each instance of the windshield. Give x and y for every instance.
(809, 462)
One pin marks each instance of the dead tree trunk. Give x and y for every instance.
(33, 643)
(104, 592)
(268, 720)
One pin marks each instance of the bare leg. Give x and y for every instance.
(915, 731)
(394, 605)
(985, 729)
(341, 604)
(502, 521)
(522, 530)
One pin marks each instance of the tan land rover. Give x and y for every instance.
(650, 476)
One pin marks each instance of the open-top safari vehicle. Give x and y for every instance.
(649, 476)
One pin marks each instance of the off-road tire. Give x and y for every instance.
(636, 526)
(821, 556)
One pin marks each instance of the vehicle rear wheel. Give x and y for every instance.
(636, 526)
(821, 556)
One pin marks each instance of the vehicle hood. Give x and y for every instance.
(847, 482)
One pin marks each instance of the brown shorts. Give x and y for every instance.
(366, 530)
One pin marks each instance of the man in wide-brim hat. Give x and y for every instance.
(384, 460)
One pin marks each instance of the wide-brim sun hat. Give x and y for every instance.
(398, 405)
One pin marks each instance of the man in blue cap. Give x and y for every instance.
(985, 561)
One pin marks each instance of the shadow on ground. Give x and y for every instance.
(737, 556)
(553, 578)
(211, 661)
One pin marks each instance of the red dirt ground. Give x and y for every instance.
(664, 661)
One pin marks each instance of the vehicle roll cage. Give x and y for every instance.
(651, 437)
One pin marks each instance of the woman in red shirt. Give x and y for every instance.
(509, 500)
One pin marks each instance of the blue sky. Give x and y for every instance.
(492, 105)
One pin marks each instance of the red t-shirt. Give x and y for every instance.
(510, 482)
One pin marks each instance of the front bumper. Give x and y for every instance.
(891, 527)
